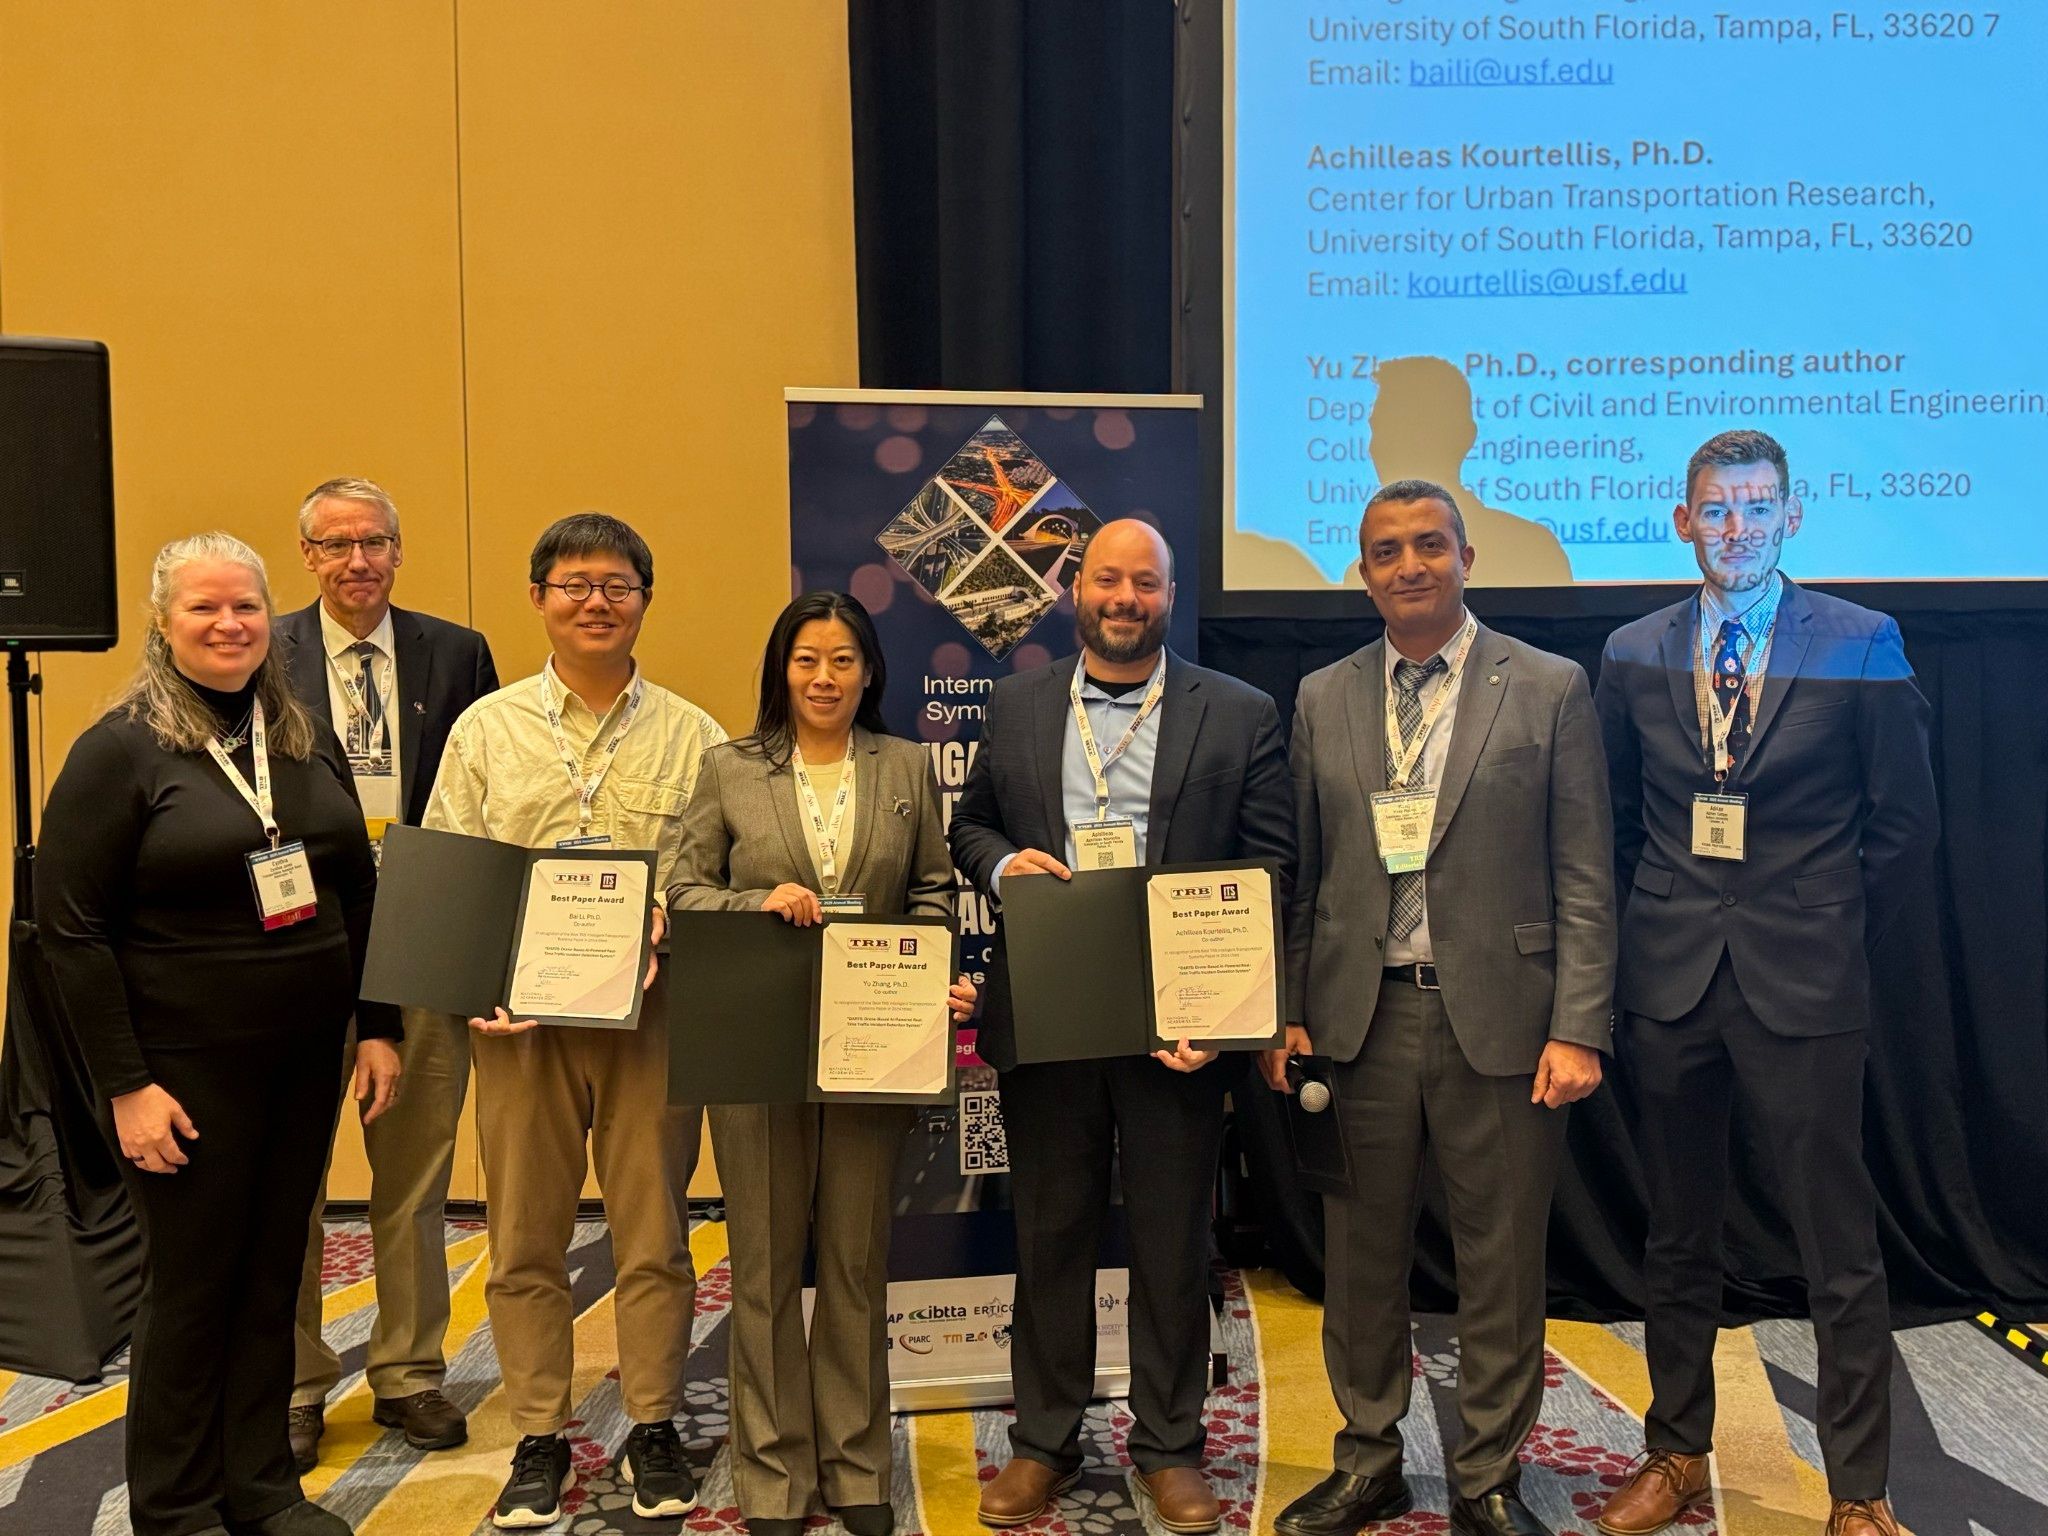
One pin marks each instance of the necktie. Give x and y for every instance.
(1729, 696)
(373, 701)
(1409, 676)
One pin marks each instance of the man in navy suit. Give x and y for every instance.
(1130, 747)
(1773, 803)
(390, 683)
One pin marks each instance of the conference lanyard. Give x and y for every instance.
(1407, 753)
(377, 735)
(1717, 724)
(586, 791)
(827, 833)
(1098, 765)
(258, 798)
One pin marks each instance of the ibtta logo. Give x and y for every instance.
(906, 947)
(608, 882)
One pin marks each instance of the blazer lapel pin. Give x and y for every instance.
(900, 807)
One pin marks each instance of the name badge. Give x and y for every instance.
(1719, 823)
(594, 840)
(1111, 843)
(855, 905)
(1401, 821)
(283, 878)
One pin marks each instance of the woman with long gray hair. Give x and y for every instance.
(203, 888)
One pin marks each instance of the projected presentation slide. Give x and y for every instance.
(1539, 250)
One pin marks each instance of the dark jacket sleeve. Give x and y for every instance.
(91, 835)
(933, 890)
(486, 680)
(1581, 875)
(980, 840)
(1900, 818)
(1308, 868)
(1624, 770)
(1265, 816)
(356, 879)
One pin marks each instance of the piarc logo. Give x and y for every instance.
(993, 538)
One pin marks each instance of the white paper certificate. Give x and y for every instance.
(1212, 955)
(579, 940)
(883, 1025)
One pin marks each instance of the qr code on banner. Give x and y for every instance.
(983, 1148)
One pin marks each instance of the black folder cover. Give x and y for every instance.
(1080, 963)
(445, 930)
(743, 1010)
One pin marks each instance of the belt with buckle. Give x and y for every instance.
(1417, 974)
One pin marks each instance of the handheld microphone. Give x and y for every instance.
(1312, 1093)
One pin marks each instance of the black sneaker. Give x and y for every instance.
(653, 1467)
(533, 1495)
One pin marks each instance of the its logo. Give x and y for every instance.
(993, 538)
(608, 882)
(906, 946)
(1230, 890)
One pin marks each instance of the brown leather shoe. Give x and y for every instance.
(1664, 1487)
(1862, 1517)
(1021, 1491)
(429, 1420)
(304, 1425)
(1180, 1498)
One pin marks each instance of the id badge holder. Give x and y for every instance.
(1111, 843)
(283, 878)
(591, 840)
(854, 905)
(1720, 824)
(1401, 822)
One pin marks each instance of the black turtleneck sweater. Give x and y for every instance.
(146, 909)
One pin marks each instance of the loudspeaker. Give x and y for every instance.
(57, 588)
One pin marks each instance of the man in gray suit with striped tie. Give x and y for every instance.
(1450, 946)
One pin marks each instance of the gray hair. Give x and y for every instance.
(159, 693)
(346, 488)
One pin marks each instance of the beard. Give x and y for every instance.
(1088, 624)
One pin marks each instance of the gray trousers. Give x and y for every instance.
(1409, 1089)
(810, 1417)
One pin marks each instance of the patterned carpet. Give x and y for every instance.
(1971, 1426)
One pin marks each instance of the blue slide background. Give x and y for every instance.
(1829, 100)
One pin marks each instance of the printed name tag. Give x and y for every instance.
(594, 840)
(283, 878)
(1401, 820)
(1719, 823)
(843, 906)
(1111, 843)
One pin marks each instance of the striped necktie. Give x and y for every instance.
(1409, 676)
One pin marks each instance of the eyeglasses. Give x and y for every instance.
(577, 589)
(376, 546)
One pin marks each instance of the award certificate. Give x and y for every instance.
(1213, 957)
(883, 1023)
(579, 952)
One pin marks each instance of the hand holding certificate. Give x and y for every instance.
(469, 926)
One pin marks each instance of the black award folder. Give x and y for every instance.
(451, 911)
(1082, 984)
(744, 1007)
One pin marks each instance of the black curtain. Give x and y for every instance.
(1012, 193)
(1014, 175)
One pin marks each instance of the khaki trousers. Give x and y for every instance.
(411, 1148)
(809, 1417)
(539, 1096)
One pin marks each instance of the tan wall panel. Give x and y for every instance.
(657, 237)
(254, 207)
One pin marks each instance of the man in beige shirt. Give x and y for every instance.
(587, 752)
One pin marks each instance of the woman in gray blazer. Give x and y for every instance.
(820, 810)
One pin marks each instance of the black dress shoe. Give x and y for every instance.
(1497, 1512)
(866, 1519)
(1344, 1501)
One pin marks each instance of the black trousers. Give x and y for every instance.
(1063, 1121)
(1807, 1097)
(210, 1370)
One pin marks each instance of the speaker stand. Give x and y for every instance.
(20, 684)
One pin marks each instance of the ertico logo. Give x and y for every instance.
(994, 537)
